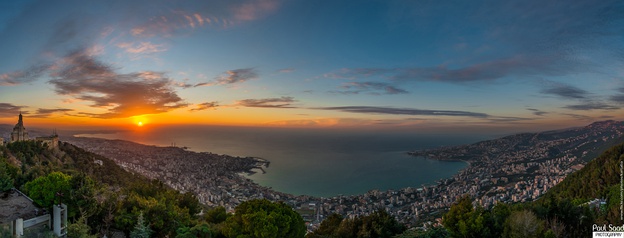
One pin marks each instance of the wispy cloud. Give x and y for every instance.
(43, 112)
(202, 14)
(519, 65)
(617, 98)
(205, 106)
(537, 112)
(587, 106)
(232, 77)
(578, 116)
(170, 23)
(281, 102)
(375, 88)
(252, 10)
(142, 47)
(403, 111)
(505, 119)
(9, 110)
(121, 95)
(19, 77)
(566, 91)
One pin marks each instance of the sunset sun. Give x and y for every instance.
(140, 123)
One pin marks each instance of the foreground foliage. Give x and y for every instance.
(377, 224)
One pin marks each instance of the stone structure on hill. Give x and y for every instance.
(19, 131)
(20, 134)
(51, 141)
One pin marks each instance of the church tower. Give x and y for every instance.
(19, 131)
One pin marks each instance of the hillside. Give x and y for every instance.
(570, 209)
(101, 196)
(104, 199)
(599, 179)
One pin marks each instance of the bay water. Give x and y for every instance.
(316, 162)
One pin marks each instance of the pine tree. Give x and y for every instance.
(141, 230)
(6, 182)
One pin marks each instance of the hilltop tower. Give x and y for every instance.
(19, 131)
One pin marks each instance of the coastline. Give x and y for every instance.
(417, 154)
(308, 168)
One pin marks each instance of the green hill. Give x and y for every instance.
(592, 181)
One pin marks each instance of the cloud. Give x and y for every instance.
(591, 106)
(183, 84)
(171, 22)
(42, 112)
(372, 87)
(509, 119)
(566, 91)
(519, 65)
(618, 98)
(282, 102)
(19, 77)
(82, 77)
(537, 112)
(403, 111)
(535, 38)
(9, 110)
(232, 77)
(254, 9)
(579, 117)
(342, 122)
(237, 76)
(141, 47)
(192, 15)
(205, 106)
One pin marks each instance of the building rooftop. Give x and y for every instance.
(16, 206)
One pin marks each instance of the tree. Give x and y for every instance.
(378, 224)
(216, 215)
(201, 230)
(328, 227)
(435, 232)
(6, 181)
(81, 196)
(79, 229)
(523, 224)
(381, 224)
(463, 220)
(264, 219)
(189, 201)
(141, 230)
(43, 189)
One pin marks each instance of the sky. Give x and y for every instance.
(418, 65)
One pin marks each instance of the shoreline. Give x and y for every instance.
(262, 163)
(415, 154)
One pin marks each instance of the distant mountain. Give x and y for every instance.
(523, 167)
(584, 143)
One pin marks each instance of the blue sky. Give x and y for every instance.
(492, 65)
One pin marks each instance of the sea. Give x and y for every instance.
(316, 162)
